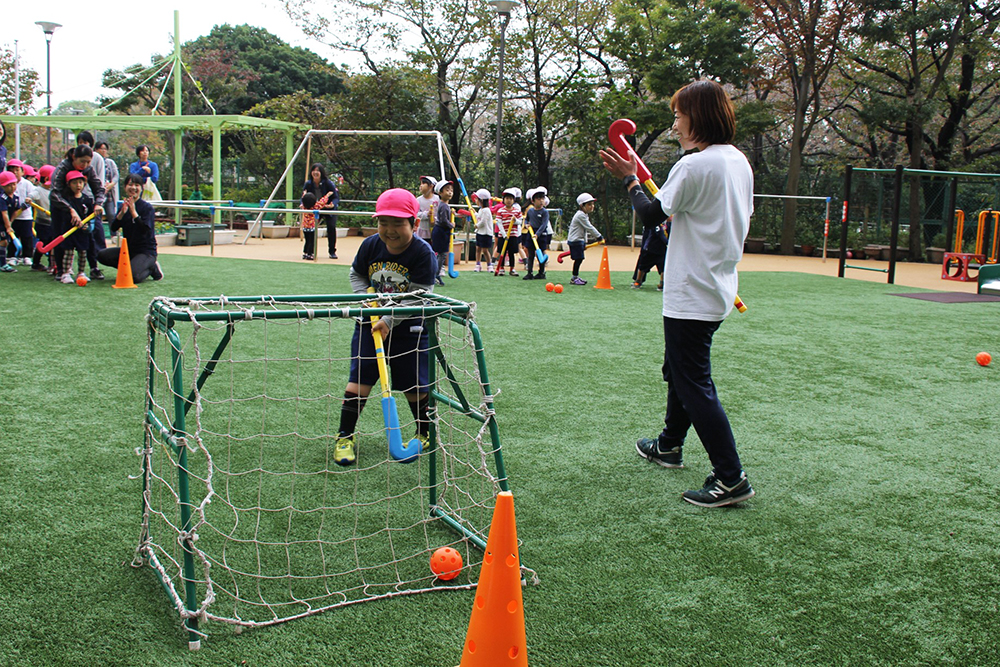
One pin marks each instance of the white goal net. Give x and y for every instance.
(246, 518)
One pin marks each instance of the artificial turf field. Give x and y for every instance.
(864, 424)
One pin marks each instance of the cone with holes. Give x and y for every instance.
(604, 275)
(124, 277)
(496, 633)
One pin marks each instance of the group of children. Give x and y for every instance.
(39, 206)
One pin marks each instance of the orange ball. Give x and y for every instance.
(984, 358)
(446, 563)
(81, 280)
(549, 287)
(558, 289)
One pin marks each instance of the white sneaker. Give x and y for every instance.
(85, 278)
(489, 268)
(67, 279)
(477, 269)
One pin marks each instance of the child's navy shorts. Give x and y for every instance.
(405, 354)
(544, 240)
(576, 249)
(484, 241)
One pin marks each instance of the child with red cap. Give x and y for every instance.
(43, 218)
(8, 205)
(392, 262)
(21, 218)
(63, 220)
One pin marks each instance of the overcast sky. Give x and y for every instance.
(96, 36)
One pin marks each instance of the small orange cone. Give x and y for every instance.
(604, 275)
(496, 634)
(124, 277)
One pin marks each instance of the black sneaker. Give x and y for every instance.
(156, 273)
(96, 274)
(649, 449)
(717, 494)
(528, 277)
(333, 255)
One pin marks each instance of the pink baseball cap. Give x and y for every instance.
(45, 172)
(398, 203)
(29, 171)
(7, 177)
(73, 175)
(14, 163)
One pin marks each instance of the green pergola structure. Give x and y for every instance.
(216, 124)
(177, 123)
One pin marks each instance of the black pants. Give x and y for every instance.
(309, 247)
(691, 395)
(97, 244)
(142, 265)
(22, 229)
(331, 232)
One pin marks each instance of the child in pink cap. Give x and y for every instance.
(62, 220)
(392, 262)
(8, 205)
(21, 218)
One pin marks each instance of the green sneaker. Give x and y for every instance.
(345, 453)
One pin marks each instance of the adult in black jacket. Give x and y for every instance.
(318, 184)
(135, 219)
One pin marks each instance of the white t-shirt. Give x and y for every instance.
(424, 215)
(710, 196)
(484, 221)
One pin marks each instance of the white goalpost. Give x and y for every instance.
(306, 145)
(246, 519)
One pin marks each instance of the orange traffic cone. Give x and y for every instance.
(124, 277)
(604, 275)
(496, 633)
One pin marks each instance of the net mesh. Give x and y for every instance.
(243, 406)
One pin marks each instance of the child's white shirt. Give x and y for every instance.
(710, 196)
(484, 221)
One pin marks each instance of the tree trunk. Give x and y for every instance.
(541, 157)
(794, 167)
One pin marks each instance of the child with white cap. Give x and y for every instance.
(484, 231)
(425, 201)
(576, 237)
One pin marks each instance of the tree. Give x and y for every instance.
(10, 104)
(654, 47)
(446, 32)
(803, 38)
(905, 49)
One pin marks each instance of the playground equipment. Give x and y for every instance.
(957, 264)
(897, 189)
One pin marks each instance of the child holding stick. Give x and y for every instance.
(484, 231)
(576, 237)
(392, 262)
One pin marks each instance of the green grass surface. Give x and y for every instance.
(864, 423)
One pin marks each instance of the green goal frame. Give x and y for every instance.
(165, 313)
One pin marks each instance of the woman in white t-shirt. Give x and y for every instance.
(709, 198)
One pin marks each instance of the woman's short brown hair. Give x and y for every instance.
(706, 104)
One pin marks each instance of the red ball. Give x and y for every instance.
(446, 563)
(850, 255)
(984, 358)
(81, 280)
(549, 287)
(558, 289)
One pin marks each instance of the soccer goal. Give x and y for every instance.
(442, 154)
(246, 519)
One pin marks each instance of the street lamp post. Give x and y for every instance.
(504, 8)
(49, 28)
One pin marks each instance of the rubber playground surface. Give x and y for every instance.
(620, 258)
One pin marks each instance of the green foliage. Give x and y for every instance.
(29, 86)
